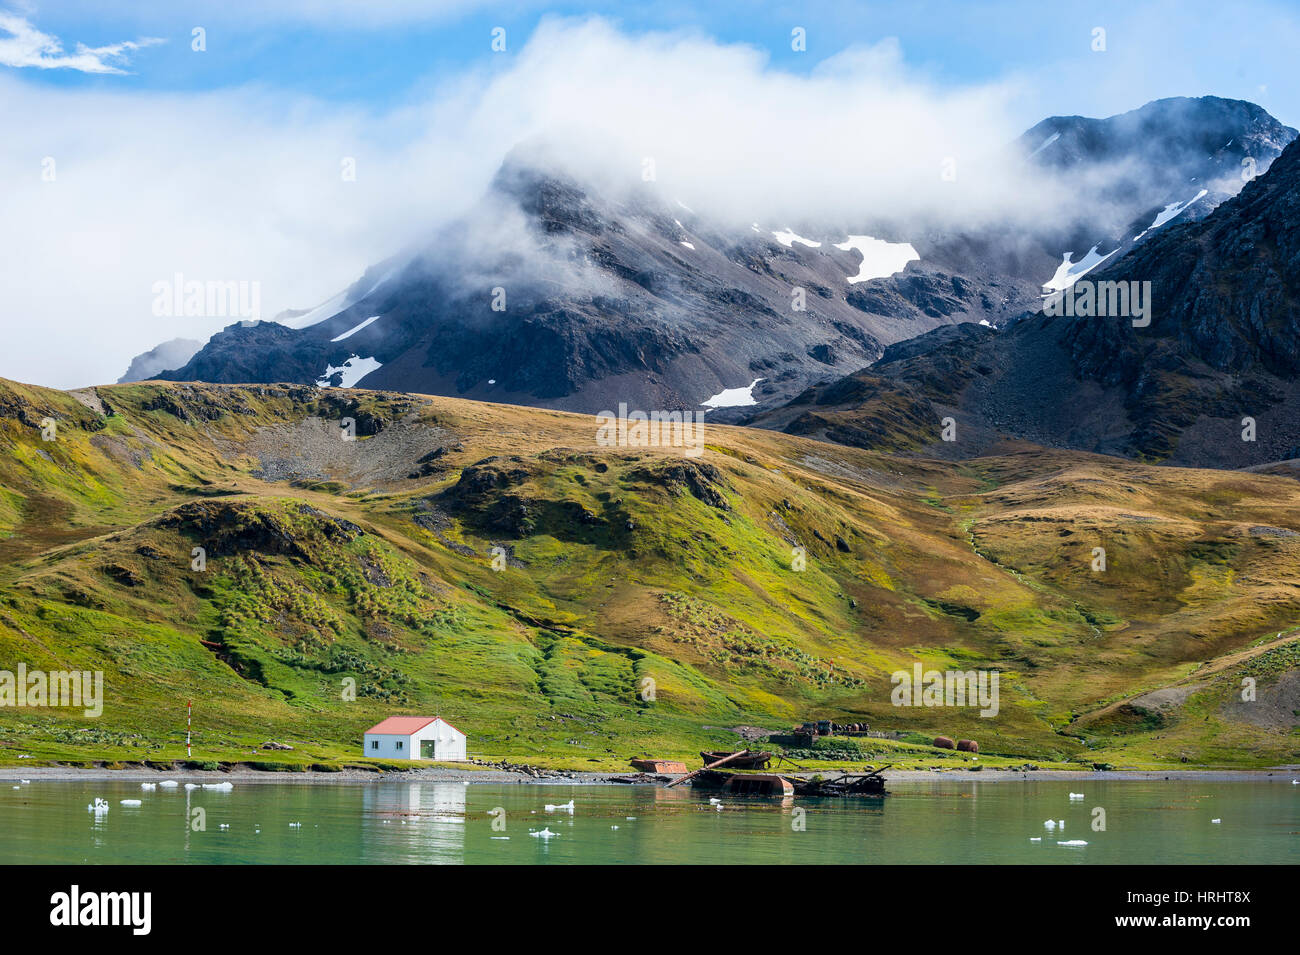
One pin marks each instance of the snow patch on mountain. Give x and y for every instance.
(880, 259)
(1067, 273)
(733, 397)
(353, 370)
(335, 304)
(1046, 142)
(1169, 212)
(352, 331)
(326, 309)
(787, 237)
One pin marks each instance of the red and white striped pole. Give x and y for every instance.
(189, 710)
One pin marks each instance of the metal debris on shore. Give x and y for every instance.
(870, 782)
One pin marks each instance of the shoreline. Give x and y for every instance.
(9, 776)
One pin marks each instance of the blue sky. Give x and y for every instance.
(224, 164)
(382, 52)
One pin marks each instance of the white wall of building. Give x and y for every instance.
(449, 743)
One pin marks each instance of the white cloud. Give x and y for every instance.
(245, 184)
(26, 46)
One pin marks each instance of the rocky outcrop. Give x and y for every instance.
(1211, 380)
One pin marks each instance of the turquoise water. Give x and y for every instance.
(939, 821)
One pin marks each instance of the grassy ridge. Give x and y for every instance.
(573, 605)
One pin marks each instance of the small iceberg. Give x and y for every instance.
(191, 785)
(149, 786)
(565, 807)
(130, 802)
(298, 825)
(222, 787)
(543, 834)
(168, 784)
(1216, 821)
(1076, 795)
(1035, 838)
(1073, 843)
(1049, 825)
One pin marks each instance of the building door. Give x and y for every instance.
(428, 748)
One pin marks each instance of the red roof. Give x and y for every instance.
(405, 725)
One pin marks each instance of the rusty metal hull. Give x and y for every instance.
(660, 765)
(746, 761)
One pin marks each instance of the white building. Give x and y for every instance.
(414, 737)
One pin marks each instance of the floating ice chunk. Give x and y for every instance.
(715, 801)
(563, 807)
(226, 787)
(1035, 838)
(25, 782)
(543, 834)
(168, 784)
(191, 785)
(149, 786)
(98, 807)
(630, 818)
(688, 245)
(1076, 795)
(1049, 825)
(298, 825)
(499, 837)
(1072, 842)
(1216, 821)
(613, 827)
(130, 802)
(224, 825)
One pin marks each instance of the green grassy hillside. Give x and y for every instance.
(568, 604)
